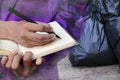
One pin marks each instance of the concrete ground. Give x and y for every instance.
(67, 72)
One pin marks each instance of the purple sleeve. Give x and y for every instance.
(1, 1)
(66, 15)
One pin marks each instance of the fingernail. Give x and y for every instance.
(4, 58)
(39, 61)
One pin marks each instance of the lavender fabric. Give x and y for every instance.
(62, 11)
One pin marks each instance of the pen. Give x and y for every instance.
(26, 18)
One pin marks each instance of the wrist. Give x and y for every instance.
(4, 31)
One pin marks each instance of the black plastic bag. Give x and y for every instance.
(112, 29)
(93, 48)
(111, 19)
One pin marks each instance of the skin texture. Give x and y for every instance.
(21, 65)
(23, 33)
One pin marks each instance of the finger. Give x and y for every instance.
(16, 69)
(34, 43)
(36, 63)
(40, 37)
(4, 60)
(40, 27)
(18, 72)
(45, 42)
(47, 27)
(27, 63)
(27, 59)
(16, 62)
(10, 59)
(39, 61)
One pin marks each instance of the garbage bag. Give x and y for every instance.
(93, 48)
(110, 16)
(112, 29)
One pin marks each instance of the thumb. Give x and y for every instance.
(39, 61)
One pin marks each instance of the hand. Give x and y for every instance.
(24, 33)
(21, 65)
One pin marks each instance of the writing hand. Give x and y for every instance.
(24, 33)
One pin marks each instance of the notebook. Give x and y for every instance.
(66, 41)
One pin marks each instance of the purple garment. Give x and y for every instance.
(44, 11)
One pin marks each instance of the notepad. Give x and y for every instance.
(66, 41)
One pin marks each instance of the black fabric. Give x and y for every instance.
(99, 42)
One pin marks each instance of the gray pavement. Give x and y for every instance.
(67, 72)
